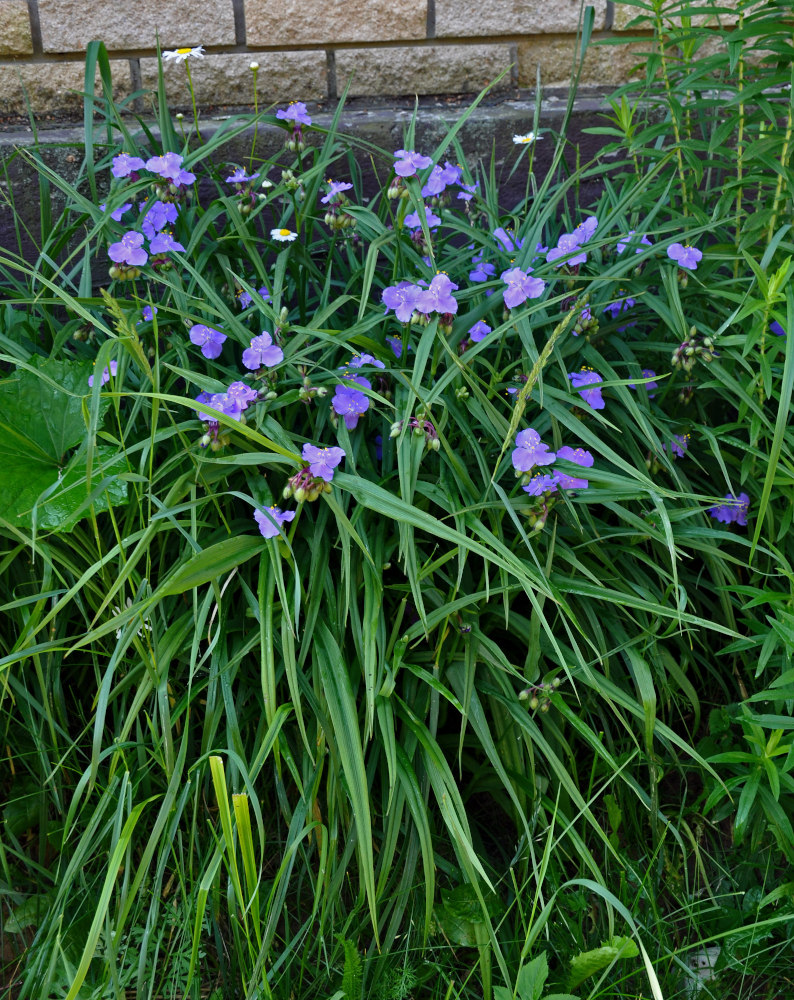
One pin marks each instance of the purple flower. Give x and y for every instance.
(223, 402)
(412, 220)
(105, 374)
(296, 113)
(540, 483)
(124, 165)
(169, 167)
(148, 313)
(270, 520)
(408, 162)
(245, 299)
(777, 329)
(359, 360)
(479, 331)
(158, 215)
(438, 296)
(679, 445)
(647, 373)
(402, 299)
(566, 245)
(684, 255)
(396, 344)
(584, 231)
(507, 240)
(628, 241)
(587, 377)
(117, 213)
(210, 341)
(163, 242)
(262, 353)
(482, 269)
(530, 451)
(322, 461)
(243, 394)
(335, 188)
(241, 177)
(466, 192)
(578, 456)
(436, 183)
(616, 308)
(733, 512)
(128, 250)
(520, 286)
(349, 403)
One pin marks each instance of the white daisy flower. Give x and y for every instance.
(525, 140)
(181, 55)
(117, 611)
(283, 235)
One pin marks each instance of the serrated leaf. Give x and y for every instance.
(532, 978)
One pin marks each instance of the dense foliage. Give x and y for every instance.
(398, 589)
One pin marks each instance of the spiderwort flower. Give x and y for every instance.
(296, 113)
(530, 451)
(322, 461)
(335, 189)
(412, 220)
(479, 331)
(262, 353)
(578, 456)
(520, 286)
(105, 374)
(646, 373)
(540, 483)
(169, 167)
(777, 329)
(467, 191)
(583, 379)
(271, 519)
(163, 242)
(408, 162)
(679, 445)
(182, 55)
(402, 299)
(684, 255)
(129, 250)
(210, 341)
(125, 165)
(734, 511)
(507, 240)
(616, 308)
(359, 360)
(159, 214)
(117, 213)
(628, 241)
(283, 235)
(566, 245)
(483, 270)
(243, 394)
(438, 296)
(349, 403)
(148, 313)
(239, 176)
(396, 344)
(584, 230)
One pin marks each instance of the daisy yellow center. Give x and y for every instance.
(184, 52)
(526, 138)
(284, 232)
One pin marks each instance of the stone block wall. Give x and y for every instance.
(306, 49)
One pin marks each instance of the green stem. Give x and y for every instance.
(192, 98)
(673, 114)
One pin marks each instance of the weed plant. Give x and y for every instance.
(398, 589)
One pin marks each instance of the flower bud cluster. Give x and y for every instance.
(293, 183)
(397, 188)
(303, 486)
(420, 427)
(124, 272)
(538, 694)
(696, 347)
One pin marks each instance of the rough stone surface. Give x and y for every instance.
(309, 22)
(55, 86)
(68, 25)
(604, 65)
(426, 69)
(463, 18)
(227, 79)
(15, 39)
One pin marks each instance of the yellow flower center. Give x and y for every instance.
(284, 232)
(185, 52)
